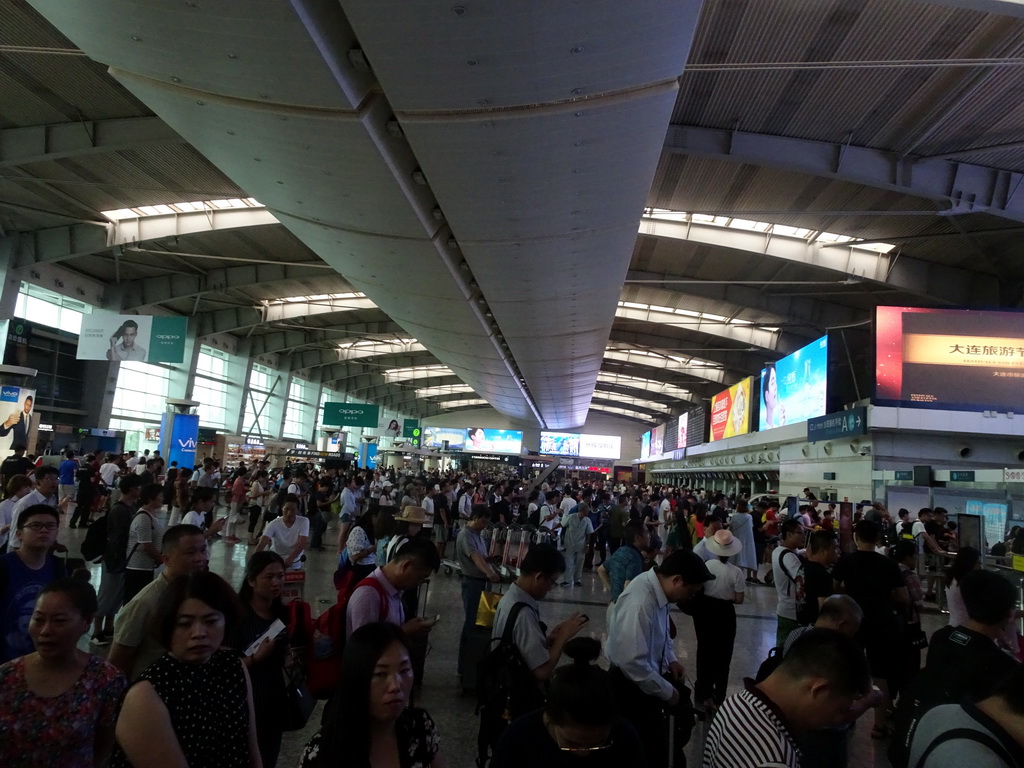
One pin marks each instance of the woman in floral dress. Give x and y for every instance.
(58, 705)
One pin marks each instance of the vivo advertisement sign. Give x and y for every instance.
(184, 434)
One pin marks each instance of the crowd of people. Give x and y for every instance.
(197, 671)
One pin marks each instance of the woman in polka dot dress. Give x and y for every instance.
(192, 706)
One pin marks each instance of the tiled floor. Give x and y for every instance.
(454, 713)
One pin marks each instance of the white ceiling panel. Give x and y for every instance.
(317, 164)
(257, 49)
(524, 174)
(471, 55)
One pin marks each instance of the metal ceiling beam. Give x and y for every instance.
(648, 414)
(662, 359)
(283, 340)
(606, 412)
(293, 309)
(315, 358)
(964, 187)
(740, 334)
(156, 290)
(71, 242)
(742, 362)
(40, 143)
(1001, 7)
(816, 314)
(926, 279)
(671, 402)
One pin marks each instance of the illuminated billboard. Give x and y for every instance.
(560, 443)
(600, 446)
(657, 441)
(960, 359)
(730, 410)
(481, 440)
(587, 446)
(435, 437)
(645, 445)
(795, 389)
(681, 430)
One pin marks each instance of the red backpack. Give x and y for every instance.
(320, 642)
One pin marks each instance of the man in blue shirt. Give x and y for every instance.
(67, 471)
(627, 562)
(23, 574)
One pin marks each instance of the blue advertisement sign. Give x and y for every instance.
(368, 456)
(184, 434)
(795, 389)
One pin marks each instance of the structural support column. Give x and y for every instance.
(244, 350)
(9, 288)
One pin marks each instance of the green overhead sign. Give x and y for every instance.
(350, 415)
(410, 428)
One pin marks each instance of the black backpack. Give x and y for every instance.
(506, 688)
(114, 555)
(927, 691)
(769, 665)
(95, 542)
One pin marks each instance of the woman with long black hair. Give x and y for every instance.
(362, 547)
(260, 595)
(369, 723)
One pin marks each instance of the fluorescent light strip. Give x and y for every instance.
(800, 233)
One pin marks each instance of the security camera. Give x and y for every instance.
(865, 451)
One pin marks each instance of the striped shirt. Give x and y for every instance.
(749, 732)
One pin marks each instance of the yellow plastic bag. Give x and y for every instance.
(486, 609)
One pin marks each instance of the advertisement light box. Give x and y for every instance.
(435, 437)
(956, 359)
(795, 389)
(730, 410)
(481, 440)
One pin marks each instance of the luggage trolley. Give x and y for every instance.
(451, 565)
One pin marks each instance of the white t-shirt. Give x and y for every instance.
(729, 579)
(283, 539)
(7, 517)
(109, 473)
(567, 504)
(428, 504)
(198, 519)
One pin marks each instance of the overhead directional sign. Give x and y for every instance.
(350, 415)
(849, 423)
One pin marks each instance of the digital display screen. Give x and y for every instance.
(681, 429)
(560, 443)
(645, 445)
(481, 440)
(435, 437)
(730, 410)
(658, 441)
(600, 446)
(959, 359)
(795, 388)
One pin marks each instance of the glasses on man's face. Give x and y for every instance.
(587, 750)
(41, 526)
(580, 750)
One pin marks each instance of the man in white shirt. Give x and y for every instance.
(132, 462)
(645, 670)
(785, 567)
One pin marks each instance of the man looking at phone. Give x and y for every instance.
(538, 573)
(379, 596)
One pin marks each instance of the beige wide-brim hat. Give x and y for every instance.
(724, 544)
(411, 514)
